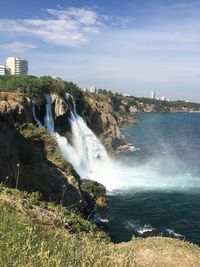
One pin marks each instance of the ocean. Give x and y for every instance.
(163, 195)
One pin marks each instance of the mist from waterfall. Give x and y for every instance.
(90, 159)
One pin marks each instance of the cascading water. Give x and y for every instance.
(34, 115)
(48, 120)
(86, 149)
(86, 152)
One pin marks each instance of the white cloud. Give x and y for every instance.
(65, 27)
(82, 15)
(17, 46)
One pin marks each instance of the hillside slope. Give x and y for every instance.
(38, 234)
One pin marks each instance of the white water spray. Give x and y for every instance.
(90, 159)
(34, 115)
(85, 150)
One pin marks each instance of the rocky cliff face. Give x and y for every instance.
(144, 107)
(60, 106)
(105, 123)
(141, 107)
(15, 107)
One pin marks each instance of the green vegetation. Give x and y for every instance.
(35, 233)
(47, 213)
(95, 189)
(33, 86)
(30, 85)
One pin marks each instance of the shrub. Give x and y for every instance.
(94, 188)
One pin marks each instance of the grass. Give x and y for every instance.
(34, 233)
(25, 244)
(47, 213)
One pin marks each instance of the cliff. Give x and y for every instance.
(124, 105)
(30, 158)
(105, 123)
(152, 105)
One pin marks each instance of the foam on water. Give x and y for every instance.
(148, 230)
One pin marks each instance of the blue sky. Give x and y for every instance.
(132, 46)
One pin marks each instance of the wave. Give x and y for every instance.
(147, 230)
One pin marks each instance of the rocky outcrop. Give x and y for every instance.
(105, 123)
(141, 107)
(60, 106)
(15, 107)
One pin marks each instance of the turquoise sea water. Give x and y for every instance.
(168, 150)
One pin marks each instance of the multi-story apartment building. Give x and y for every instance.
(17, 66)
(152, 94)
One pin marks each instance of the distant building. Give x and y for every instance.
(56, 78)
(126, 95)
(17, 66)
(3, 70)
(163, 98)
(92, 89)
(152, 94)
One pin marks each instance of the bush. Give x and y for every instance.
(95, 189)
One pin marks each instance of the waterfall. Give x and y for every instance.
(86, 149)
(34, 115)
(48, 120)
(71, 102)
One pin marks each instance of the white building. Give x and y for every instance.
(92, 89)
(163, 98)
(152, 94)
(2, 70)
(17, 66)
(126, 95)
